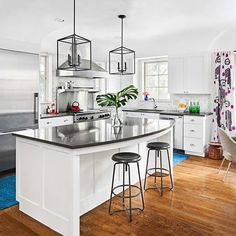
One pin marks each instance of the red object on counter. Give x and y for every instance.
(75, 106)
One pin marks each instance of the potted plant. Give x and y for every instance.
(117, 100)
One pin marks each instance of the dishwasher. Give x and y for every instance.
(178, 130)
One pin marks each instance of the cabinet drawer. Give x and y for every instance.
(193, 145)
(57, 121)
(193, 130)
(132, 114)
(142, 115)
(193, 120)
(150, 115)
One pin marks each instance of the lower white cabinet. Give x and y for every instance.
(55, 121)
(197, 136)
(141, 114)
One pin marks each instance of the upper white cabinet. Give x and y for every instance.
(176, 74)
(189, 74)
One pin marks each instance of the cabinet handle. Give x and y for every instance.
(192, 145)
(65, 120)
(192, 120)
(48, 123)
(192, 130)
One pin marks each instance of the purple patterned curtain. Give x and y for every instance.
(224, 93)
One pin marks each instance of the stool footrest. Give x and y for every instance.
(159, 188)
(126, 209)
(126, 185)
(154, 175)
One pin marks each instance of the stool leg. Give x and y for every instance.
(124, 168)
(130, 211)
(140, 183)
(171, 179)
(146, 171)
(112, 185)
(161, 173)
(155, 166)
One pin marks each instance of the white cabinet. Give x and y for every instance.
(197, 134)
(141, 114)
(189, 74)
(55, 121)
(176, 74)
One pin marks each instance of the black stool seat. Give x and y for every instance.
(158, 145)
(126, 157)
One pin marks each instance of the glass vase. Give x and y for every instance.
(116, 122)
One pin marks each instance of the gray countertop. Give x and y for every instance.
(10, 122)
(166, 112)
(94, 133)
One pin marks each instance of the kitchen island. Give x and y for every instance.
(64, 172)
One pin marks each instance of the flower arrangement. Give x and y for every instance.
(146, 94)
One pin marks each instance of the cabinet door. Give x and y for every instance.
(176, 74)
(195, 74)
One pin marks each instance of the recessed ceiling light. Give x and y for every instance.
(59, 20)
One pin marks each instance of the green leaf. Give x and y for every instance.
(106, 100)
(119, 99)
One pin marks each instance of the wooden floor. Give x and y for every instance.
(201, 204)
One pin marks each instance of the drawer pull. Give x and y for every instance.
(192, 130)
(65, 120)
(192, 120)
(48, 123)
(192, 145)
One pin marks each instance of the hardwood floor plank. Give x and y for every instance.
(201, 204)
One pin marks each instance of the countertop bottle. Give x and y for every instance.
(190, 107)
(198, 107)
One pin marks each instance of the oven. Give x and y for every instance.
(91, 115)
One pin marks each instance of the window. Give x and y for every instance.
(156, 79)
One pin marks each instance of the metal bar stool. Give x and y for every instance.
(158, 147)
(124, 159)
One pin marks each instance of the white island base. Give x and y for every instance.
(56, 185)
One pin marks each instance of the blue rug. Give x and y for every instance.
(8, 192)
(178, 158)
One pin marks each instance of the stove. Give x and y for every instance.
(90, 115)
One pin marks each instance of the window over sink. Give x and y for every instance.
(156, 78)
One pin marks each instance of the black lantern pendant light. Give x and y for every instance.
(122, 59)
(74, 52)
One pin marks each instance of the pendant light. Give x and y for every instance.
(74, 52)
(122, 59)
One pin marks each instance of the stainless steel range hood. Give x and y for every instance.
(97, 72)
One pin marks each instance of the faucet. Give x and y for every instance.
(154, 103)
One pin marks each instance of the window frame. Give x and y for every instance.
(155, 60)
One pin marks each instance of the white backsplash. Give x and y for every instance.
(204, 101)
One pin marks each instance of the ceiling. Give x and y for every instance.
(152, 27)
